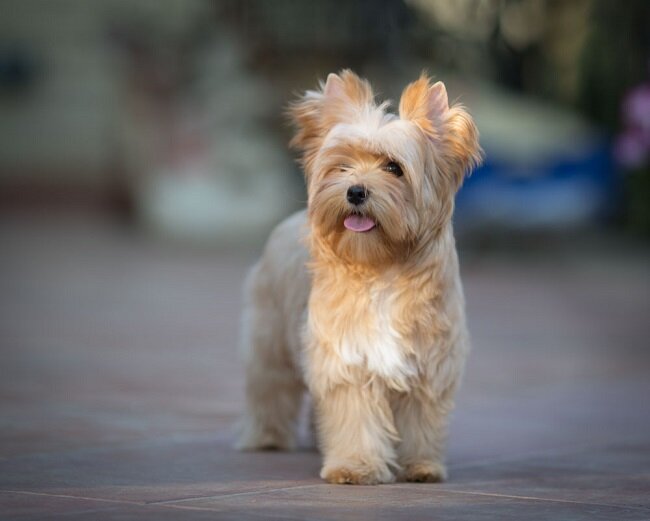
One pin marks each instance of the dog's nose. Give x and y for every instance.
(357, 194)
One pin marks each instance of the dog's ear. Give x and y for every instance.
(339, 99)
(346, 96)
(451, 129)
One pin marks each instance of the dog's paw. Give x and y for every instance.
(425, 473)
(356, 476)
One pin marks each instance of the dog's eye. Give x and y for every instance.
(394, 169)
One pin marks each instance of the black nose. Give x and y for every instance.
(357, 194)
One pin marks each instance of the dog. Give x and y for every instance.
(358, 299)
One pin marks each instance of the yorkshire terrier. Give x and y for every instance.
(358, 299)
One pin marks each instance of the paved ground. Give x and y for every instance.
(120, 387)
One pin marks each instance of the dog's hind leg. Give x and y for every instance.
(274, 389)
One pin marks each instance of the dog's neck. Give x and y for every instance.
(429, 254)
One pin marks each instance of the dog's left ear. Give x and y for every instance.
(451, 129)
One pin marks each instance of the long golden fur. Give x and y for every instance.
(370, 322)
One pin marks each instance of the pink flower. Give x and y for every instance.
(636, 108)
(631, 148)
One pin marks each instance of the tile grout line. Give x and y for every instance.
(234, 494)
(67, 496)
(551, 500)
(104, 500)
(133, 503)
(163, 502)
(176, 503)
(208, 509)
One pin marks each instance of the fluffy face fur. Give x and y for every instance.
(347, 139)
(359, 300)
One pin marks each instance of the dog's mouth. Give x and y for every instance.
(359, 223)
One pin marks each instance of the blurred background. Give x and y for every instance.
(144, 158)
(169, 114)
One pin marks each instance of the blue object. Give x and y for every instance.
(551, 193)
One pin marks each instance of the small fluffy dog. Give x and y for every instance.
(359, 299)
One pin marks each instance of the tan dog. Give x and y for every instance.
(359, 299)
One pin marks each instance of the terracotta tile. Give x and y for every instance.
(120, 380)
(154, 471)
(612, 475)
(33, 507)
(19, 506)
(568, 415)
(407, 502)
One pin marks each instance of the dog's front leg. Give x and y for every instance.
(421, 419)
(357, 434)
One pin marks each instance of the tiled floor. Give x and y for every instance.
(120, 388)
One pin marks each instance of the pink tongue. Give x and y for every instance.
(358, 223)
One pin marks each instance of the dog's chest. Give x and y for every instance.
(366, 334)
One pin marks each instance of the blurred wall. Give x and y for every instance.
(159, 103)
(60, 85)
(57, 119)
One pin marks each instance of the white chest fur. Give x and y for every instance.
(359, 332)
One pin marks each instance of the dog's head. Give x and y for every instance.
(381, 185)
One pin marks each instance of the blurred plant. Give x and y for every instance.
(526, 45)
(632, 152)
(614, 58)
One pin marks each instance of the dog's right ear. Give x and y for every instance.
(306, 115)
(339, 99)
